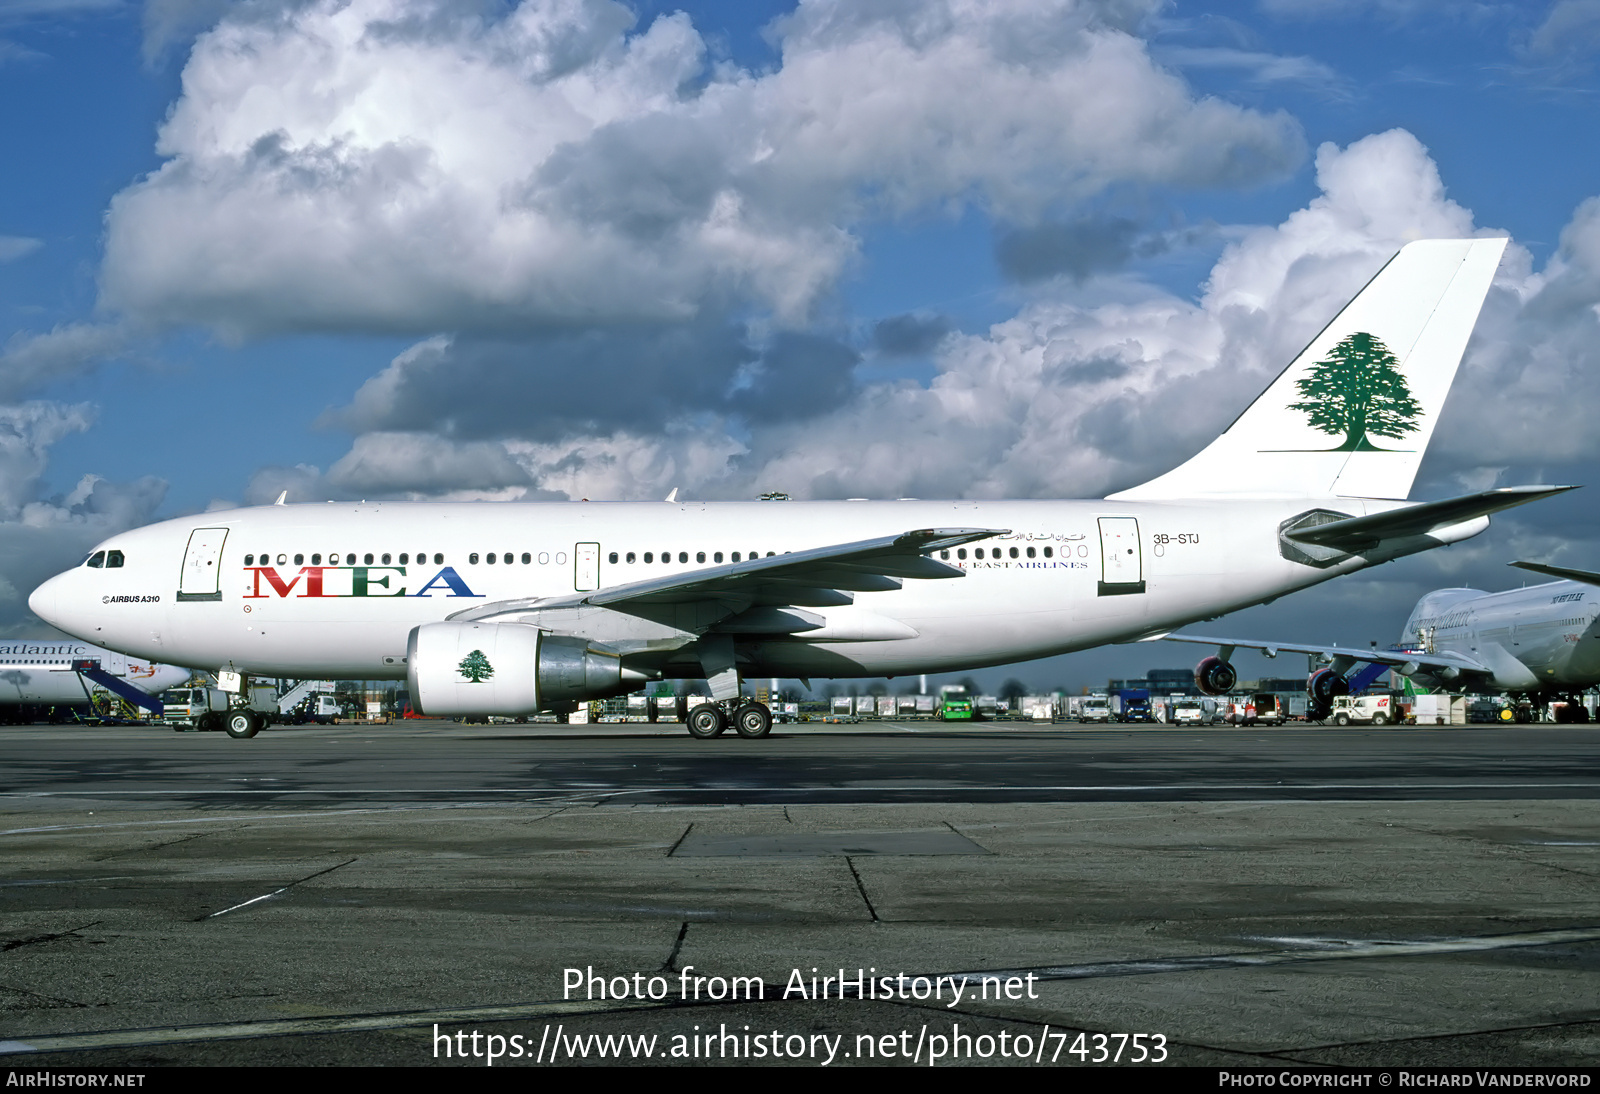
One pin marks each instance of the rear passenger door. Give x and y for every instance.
(585, 567)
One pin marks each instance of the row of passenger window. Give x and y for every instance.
(108, 559)
(683, 556)
(368, 559)
(995, 552)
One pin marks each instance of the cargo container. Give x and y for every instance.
(1439, 710)
(1037, 708)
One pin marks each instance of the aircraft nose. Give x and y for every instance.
(44, 601)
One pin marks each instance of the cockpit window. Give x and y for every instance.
(98, 559)
(113, 559)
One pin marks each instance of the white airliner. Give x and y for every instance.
(1536, 643)
(513, 608)
(61, 672)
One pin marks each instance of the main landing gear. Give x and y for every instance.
(748, 719)
(727, 707)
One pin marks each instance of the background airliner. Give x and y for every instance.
(517, 607)
(1538, 644)
(61, 672)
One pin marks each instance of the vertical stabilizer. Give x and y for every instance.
(1353, 414)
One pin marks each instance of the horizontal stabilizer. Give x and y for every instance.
(1588, 577)
(1359, 533)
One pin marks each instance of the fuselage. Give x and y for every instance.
(1543, 637)
(335, 589)
(39, 670)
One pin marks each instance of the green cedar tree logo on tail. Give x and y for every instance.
(1358, 390)
(475, 667)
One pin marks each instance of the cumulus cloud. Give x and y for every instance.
(1570, 33)
(1075, 399)
(26, 433)
(595, 380)
(1077, 249)
(396, 165)
(1532, 392)
(909, 335)
(40, 536)
(1084, 391)
(29, 361)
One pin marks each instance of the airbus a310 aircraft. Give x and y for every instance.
(1537, 643)
(513, 608)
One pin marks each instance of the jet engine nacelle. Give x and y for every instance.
(1323, 687)
(1214, 676)
(506, 668)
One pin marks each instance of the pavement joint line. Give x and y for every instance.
(357, 1023)
(275, 892)
(671, 963)
(17, 943)
(861, 887)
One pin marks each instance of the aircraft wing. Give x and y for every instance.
(1425, 662)
(1355, 534)
(821, 576)
(1588, 577)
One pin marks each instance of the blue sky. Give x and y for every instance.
(309, 283)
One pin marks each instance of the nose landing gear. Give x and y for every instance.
(244, 723)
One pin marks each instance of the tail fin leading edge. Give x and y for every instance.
(1353, 414)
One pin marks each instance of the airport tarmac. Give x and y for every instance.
(1235, 897)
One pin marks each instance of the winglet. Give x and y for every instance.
(282, 498)
(672, 496)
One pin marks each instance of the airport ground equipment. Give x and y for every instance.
(1094, 708)
(1374, 710)
(201, 707)
(305, 689)
(1262, 708)
(88, 668)
(1131, 705)
(956, 708)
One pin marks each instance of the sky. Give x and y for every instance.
(488, 250)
